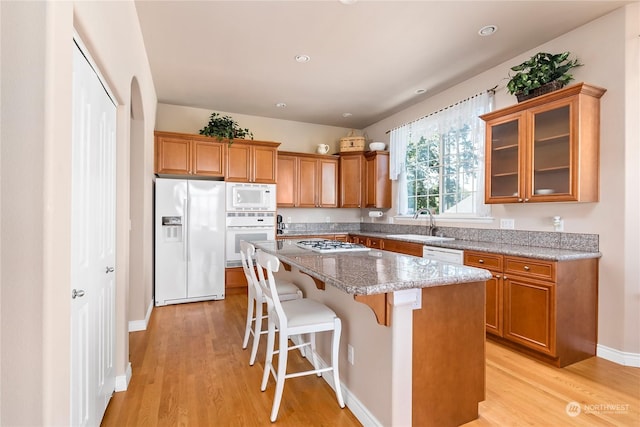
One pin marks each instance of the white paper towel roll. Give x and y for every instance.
(375, 214)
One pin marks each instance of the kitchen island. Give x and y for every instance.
(415, 327)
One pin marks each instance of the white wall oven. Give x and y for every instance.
(247, 226)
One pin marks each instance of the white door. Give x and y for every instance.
(92, 246)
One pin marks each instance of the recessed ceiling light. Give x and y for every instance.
(347, 115)
(420, 91)
(347, 2)
(488, 30)
(281, 105)
(302, 58)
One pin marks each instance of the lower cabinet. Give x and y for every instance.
(234, 280)
(391, 245)
(547, 309)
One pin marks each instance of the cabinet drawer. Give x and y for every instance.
(375, 243)
(483, 260)
(539, 269)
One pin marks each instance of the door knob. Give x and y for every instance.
(77, 293)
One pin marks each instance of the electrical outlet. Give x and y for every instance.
(507, 224)
(327, 219)
(289, 219)
(350, 354)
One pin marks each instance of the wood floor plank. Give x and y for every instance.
(189, 370)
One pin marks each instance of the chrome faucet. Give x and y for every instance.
(431, 229)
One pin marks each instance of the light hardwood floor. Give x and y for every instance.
(189, 369)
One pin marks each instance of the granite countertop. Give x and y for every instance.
(372, 272)
(552, 254)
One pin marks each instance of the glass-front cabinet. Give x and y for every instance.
(545, 149)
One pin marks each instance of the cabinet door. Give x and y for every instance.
(307, 182)
(328, 183)
(287, 183)
(351, 180)
(208, 158)
(377, 182)
(494, 304)
(264, 164)
(551, 165)
(238, 163)
(173, 155)
(529, 313)
(504, 157)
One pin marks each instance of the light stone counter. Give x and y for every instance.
(372, 272)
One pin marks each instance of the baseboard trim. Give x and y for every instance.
(619, 357)
(122, 381)
(141, 325)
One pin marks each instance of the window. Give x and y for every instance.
(438, 161)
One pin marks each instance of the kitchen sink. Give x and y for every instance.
(420, 237)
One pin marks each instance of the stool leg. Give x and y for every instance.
(314, 355)
(257, 329)
(283, 353)
(247, 328)
(271, 335)
(335, 346)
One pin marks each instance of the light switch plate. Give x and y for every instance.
(507, 224)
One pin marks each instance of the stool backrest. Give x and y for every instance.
(270, 264)
(247, 252)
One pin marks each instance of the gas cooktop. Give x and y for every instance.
(327, 246)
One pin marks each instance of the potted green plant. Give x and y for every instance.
(224, 127)
(540, 74)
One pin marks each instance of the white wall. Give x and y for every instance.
(609, 49)
(36, 182)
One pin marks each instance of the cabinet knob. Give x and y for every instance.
(505, 277)
(481, 261)
(497, 276)
(526, 267)
(526, 200)
(519, 199)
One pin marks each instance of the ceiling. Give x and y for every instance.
(367, 58)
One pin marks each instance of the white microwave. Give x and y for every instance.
(251, 197)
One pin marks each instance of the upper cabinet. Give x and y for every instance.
(376, 178)
(545, 149)
(307, 180)
(252, 161)
(183, 154)
(352, 184)
(364, 180)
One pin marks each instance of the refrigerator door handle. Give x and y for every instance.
(188, 216)
(185, 234)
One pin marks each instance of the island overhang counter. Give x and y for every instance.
(417, 327)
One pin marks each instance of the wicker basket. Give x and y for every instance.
(351, 143)
(545, 88)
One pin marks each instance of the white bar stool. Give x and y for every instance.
(295, 317)
(286, 290)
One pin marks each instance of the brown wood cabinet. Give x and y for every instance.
(185, 154)
(364, 180)
(340, 236)
(307, 180)
(352, 184)
(545, 308)
(391, 245)
(377, 182)
(545, 149)
(252, 161)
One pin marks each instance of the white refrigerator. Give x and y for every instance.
(189, 240)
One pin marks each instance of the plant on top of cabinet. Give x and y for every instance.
(224, 127)
(540, 74)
